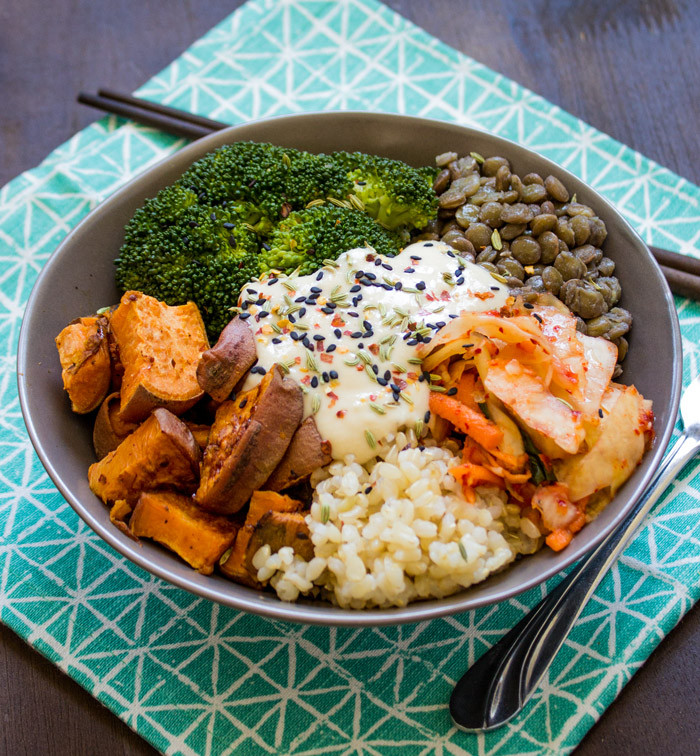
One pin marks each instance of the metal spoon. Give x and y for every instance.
(498, 685)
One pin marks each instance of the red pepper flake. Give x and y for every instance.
(333, 397)
(374, 348)
(484, 295)
(430, 298)
(337, 321)
(325, 357)
(401, 383)
(341, 414)
(297, 360)
(306, 380)
(445, 296)
(412, 376)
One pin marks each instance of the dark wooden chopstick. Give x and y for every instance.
(681, 272)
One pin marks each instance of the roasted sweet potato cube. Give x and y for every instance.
(248, 439)
(222, 367)
(306, 452)
(110, 429)
(85, 361)
(279, 529)
(160, 453)
(159, 348)
(263, 502)
(175, 521)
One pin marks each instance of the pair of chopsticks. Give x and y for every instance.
(681, 272)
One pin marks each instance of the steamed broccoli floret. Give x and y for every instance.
(308, 237)
(206, 258)
(393, 193)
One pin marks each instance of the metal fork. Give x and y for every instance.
(499, 684)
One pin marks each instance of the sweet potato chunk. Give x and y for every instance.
(222, 367)
(235, 565)
(159, 347)
(109, 429)
(85, 362)
(176, 522)
(160, 453)
(248, 439)
(306, 452)
(279, 529)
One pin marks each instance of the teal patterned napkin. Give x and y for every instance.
(194, 677)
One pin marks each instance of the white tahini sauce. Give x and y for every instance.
(349, 335)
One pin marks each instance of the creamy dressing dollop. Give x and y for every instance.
(349, 335)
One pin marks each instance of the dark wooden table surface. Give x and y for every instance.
(630, 68)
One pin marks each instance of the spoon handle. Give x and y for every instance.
(497, 686)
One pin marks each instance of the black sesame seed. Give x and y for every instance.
(427, 339)
(228, 226)
(300, 299)
(261, 301)
(331, 348)
(415, 257)
(452, 391)
(244, 315)
(262, 314)
(325, 377)
(291, 319)
(426, 417)
(246, 304)
(386, 266)
(355, 288)
(396, 395)
(314, 382)
(353, 314)
(359, 273)
(213, 216)
(450, 253)
(318, 337)
(305, 341)
(333, 374)
(420, 285)
(327, 310)
(460, 281)
(382, 381)
(441, 324)
(426, 375)
(319, 276)
(367, 325)
(387, 374)
(394, 387)
(295, 336)
(428, 244)
(398, 286)
(600, 413)
(310, 301)
(452, 317)
(409, 270)
(338, 333)
(421, 379)
(387, 287)
(356, 335)
(315, 289)
(495, 288)
(377, 262)
(361, 345)
(272, 281)
(368, 490)
(242, 403)
(266, 246)
(371, 276)
(276, 340)
(258, 369)
(375, 369)
(368, 334)
(251, 291)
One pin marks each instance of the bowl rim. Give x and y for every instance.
(321, 612)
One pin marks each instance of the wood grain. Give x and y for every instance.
(630, 69)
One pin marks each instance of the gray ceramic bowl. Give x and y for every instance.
(78, 279)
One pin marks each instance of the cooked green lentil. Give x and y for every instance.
(531, 233)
